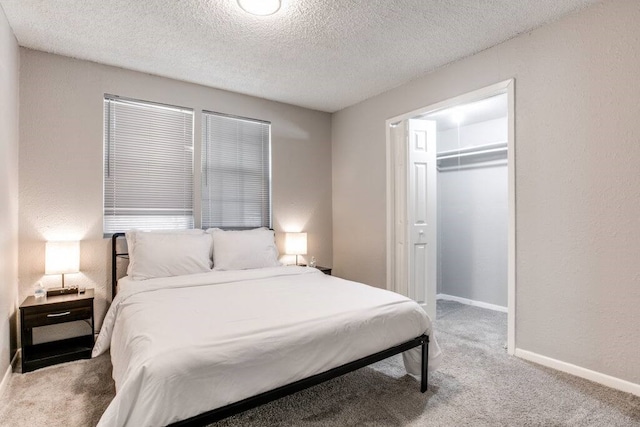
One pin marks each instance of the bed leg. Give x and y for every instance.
(425, 365)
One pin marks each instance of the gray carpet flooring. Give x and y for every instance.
(478, 384)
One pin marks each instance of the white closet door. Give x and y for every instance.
(422, 211)
(399, 135)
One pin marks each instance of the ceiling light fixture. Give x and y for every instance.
(260, 7)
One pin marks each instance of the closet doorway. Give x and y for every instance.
(451, 202)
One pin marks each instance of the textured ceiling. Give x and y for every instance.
(320, 54)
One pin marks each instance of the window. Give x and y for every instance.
(148, 165)
(236, 172)
(149, 176)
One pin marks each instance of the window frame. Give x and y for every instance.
(203, 172)
(106, 159)
(197, 158)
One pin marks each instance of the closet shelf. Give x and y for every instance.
(472, 151)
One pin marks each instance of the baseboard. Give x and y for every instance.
(5, 380)
(473, 302)
(7, 374)
(607, 380)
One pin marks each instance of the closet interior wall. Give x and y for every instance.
(473, 214)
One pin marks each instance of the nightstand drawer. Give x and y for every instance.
(60, 315)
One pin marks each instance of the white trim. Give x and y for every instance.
(391, 206)
(474, 303)
(5, 380)
(506, 86)
(511, 235)
(578, 371)
(485, 92)
(7, 375)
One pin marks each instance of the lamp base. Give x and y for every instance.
(61, 291)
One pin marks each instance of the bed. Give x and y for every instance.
(191, 349)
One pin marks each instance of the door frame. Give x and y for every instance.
(397, 203)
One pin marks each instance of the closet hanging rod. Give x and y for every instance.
(491, 163)
(477, 148)
(472, 153)
(488, 163)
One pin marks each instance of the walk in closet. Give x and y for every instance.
(472, 200)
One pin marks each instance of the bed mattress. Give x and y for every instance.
(185, 345)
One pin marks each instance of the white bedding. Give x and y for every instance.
(184, 345)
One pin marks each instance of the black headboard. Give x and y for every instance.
(114, 262)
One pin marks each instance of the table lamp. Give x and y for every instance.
(296, 244)
(62, 258)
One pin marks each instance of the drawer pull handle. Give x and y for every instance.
(66, 313)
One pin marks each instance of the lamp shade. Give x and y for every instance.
(295, 243)
(62, 257)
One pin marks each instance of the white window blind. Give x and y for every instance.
(236, 172)
(148, 166)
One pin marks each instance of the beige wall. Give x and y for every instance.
(577, 181)
(9, 66)
(61, 139)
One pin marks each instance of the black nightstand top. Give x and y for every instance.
(325, 270)
(32, 301)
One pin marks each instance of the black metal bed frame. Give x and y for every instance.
(114, 262)
(260, 399)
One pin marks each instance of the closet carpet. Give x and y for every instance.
(478, 384)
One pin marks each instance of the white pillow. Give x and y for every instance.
(210, 231)
(241, 250)
(169, 254)
(131, 241)
(213, 230)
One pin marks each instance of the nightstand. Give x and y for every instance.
(325, 270)
(50, 311)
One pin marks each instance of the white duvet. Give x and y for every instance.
(184, 345)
